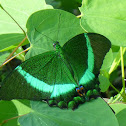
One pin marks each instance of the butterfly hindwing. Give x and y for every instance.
(80, 56)
(85, 53)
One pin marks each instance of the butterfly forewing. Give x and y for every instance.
(44, 76)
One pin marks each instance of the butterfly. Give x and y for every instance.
(63, 76)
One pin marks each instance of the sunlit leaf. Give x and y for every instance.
(106, 17)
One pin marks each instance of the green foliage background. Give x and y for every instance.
(96, 16)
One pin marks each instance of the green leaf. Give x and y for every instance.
(116, 61)
(121, 116)
(48, 26)
(20, 10)
(3, 56)
(66, 5)
(117, 107)
(10, 41)
(106, 17)
(22, 55)
(54, 3)
(23, 106)
(93, 113)
(104, 81)
(79, 1)
(120, 111)
(8, 111)
(107, 61)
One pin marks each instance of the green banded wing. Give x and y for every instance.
(77, 54)
(80, 56)
(85, 53)
(44, 76)
(52, 75)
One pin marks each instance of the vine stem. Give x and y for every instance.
(9, 58)
(14, 57)
(123, 74)
(118, 97)
(122, 92)
(16, 48)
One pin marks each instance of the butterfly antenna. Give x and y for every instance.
(44, 35)
(57, 31)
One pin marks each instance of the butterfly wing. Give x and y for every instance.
(44, 76)
(85, 53)
(79, 51)
(48, 75)
(100, 46)
(77, 54)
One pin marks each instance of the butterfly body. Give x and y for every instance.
(59, 76)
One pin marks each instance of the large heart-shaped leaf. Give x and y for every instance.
(48, 26)
(106, 17)
(93, 113)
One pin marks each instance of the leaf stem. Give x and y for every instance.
(114, 88)
(79, 16)
(5, 121)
